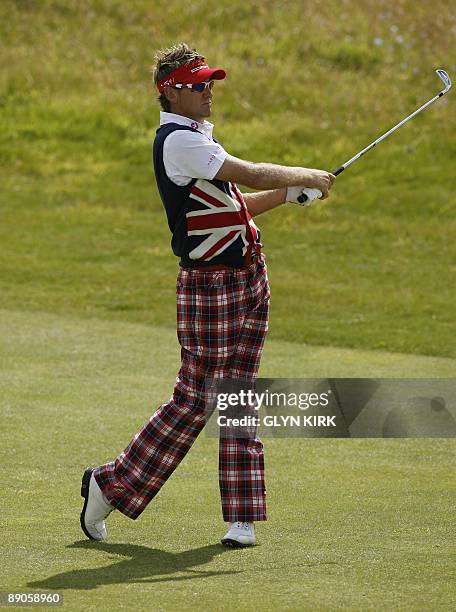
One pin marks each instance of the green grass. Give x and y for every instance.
(353, 524)
(83, 230)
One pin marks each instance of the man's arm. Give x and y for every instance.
(261, 201)
(272, 176)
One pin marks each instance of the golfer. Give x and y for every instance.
(222, 301)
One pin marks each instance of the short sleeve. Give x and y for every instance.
(191, 155)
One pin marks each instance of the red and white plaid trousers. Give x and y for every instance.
(222, 319)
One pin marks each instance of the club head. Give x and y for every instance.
(445, 78)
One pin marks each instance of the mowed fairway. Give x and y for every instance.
(354, 524)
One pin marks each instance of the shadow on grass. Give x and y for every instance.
(143, 565)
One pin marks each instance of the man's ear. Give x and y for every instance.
(171, 94)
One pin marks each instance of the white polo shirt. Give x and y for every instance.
(191, 155)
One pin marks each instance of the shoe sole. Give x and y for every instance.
(234, 543)
(85, 494)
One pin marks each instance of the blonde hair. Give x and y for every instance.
(168, 60)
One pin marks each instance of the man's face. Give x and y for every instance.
(193, 104)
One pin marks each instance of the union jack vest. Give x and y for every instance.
(209, 220)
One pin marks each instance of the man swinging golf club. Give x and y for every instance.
(222, 300)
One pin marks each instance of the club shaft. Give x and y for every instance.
(393, 129)
(442, 75)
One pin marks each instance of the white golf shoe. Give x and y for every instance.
(95, 509)
(240, 535)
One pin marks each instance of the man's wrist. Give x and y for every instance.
(309, 179)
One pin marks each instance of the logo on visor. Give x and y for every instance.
(199, 68)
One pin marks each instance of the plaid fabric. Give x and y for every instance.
(222, 319)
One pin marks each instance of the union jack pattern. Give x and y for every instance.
(224, 219)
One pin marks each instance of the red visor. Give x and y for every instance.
(195, 72)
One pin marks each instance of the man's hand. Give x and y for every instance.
(293, 194)
(322, 180)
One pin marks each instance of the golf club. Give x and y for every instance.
(310, 193)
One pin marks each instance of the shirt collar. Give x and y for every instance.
(206, 127)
